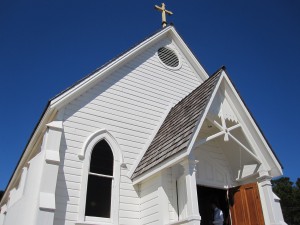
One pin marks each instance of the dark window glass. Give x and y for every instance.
(98, 199)
(102, 159)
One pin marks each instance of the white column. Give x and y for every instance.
(45, 214)
(163, 203)
(267, 198)
(189, 176)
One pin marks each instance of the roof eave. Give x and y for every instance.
(76, 90)
(175, 159)
(36, 135)
(262, 137)
(179, 156)
(275, 171)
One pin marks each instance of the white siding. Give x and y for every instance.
(170, 181)
(129, 201)
(213, 168)
(129, 103)
(149, 205)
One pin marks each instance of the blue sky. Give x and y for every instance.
(46, 46)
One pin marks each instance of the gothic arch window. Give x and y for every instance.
(100, 179)
(99, 198)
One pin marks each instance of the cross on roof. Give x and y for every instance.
(163, 11)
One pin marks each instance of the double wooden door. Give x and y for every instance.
(245, 205)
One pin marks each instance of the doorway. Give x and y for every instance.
(208, 195)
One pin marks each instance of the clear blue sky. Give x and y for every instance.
(46, 46)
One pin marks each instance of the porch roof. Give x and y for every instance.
(177, 129)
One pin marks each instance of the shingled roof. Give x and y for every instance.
(177, 129)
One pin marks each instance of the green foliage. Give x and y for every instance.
(289, 194)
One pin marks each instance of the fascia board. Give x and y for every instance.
(254, 125)
(169, 162)
(84, 85)
(189, 55)
(200, 122)
(28, 153)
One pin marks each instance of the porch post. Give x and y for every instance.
(189, 175)
(267, 198)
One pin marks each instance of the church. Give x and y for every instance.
(148, 138)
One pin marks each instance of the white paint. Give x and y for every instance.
(191, 204)
(88, 82)
(213, 168)
(278, 211)
(149, 201)
(125, 104)
(86, 152)
(268, 203)
(52, 157)
(47, 201)
(146, 146)
(23, 212)
(130, 105)
(17, 193)
(253, 132)
(3, 214)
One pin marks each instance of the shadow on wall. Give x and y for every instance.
(62, 197)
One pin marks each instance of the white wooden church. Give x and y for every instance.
(149, 138)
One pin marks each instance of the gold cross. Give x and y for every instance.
(163, 11)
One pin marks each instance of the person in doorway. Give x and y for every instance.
(218, 215)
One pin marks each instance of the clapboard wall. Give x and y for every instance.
(130, 103)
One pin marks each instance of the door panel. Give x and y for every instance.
(245, 205)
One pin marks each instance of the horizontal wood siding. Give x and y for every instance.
(149, 205)
(170, 188)
(213, 168)
(130, 104)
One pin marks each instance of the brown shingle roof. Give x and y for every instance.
(176, 131)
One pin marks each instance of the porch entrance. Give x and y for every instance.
(245, 205)
(242, 204)
(208, 195)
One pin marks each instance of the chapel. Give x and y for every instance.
(148, 138)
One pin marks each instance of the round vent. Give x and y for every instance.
(168, 57)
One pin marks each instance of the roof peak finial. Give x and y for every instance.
(163, 11)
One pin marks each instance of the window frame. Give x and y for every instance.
(85, 157)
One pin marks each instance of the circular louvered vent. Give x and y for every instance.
(168, 57)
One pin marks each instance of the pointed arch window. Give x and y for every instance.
(99, 193)
(100, 181)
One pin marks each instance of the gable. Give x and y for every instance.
(118, 80)
(176, 132)
(165, 37)
(129, 104)
(175, 139)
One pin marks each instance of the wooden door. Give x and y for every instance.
(245, 205)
